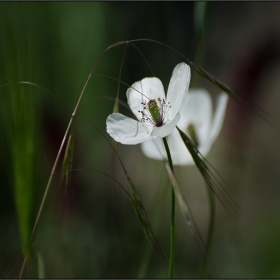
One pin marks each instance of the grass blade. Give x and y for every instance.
(211, 180)
(136, 203)
(144, 220)
(67, 161)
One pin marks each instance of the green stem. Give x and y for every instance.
(172, 231)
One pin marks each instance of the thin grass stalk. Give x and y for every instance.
(136, 202)
(116, 110)
(60, 150)
(116, 105)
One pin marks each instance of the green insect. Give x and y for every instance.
(155, 112)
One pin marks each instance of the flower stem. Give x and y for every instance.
(172, 230)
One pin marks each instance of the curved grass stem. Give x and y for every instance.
(172, 229)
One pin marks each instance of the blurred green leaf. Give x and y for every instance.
(41, 266)
(200, 8)
(19, 119)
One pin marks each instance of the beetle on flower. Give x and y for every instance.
(157, 115)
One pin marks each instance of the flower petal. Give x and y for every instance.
(166, 128)
(220, 111)
(126, 130)
(197, 110)
(178, 88)
(152, 88)
(155, 149)
(179, 152)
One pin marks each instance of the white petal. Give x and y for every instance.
(150, 87)
(205, 148)
(155, 149)
(197, 111)
(166, 128)
(220, 111)
(126, 130)
(179, 152)
(178, 88)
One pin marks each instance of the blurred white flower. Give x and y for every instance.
(198, 122)
(156, 116)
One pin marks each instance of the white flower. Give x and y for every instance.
(198, 122)
(156, 116)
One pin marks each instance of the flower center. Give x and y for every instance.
(193, 134)
(153, 113)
